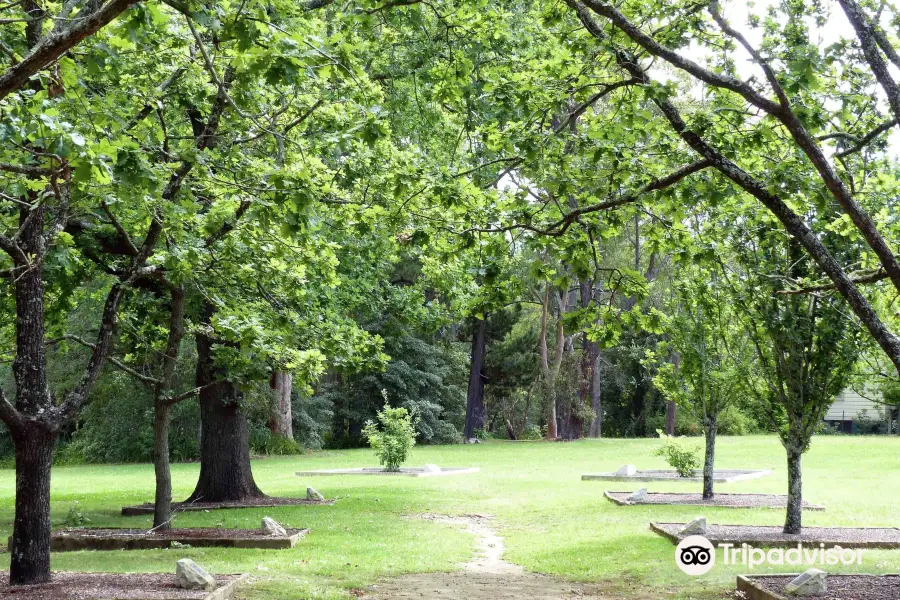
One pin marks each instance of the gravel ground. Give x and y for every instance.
(107, 586)
(408, 471)
(845, 587)
(265, 502)
(727, 500)
(179, 533)
(773, 535)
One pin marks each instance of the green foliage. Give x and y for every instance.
(683, 458)
(264, 442)
(733, 421)
(394, 438)
(117, 426)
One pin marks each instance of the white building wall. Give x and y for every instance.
(849, 404)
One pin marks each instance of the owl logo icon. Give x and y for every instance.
(695, 555)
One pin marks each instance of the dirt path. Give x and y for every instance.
(486, 577)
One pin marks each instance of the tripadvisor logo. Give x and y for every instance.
(695, 555)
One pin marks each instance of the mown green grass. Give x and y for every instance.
(552, 522)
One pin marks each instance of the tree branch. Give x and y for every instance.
(561, 226)
(8, 413)
(792, 222)
(58, 43)
(78, 340)
(655, 48)
(873, 277)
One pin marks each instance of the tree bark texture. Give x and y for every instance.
(475, 412)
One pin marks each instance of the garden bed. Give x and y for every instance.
(773, 536)
(90, 538)
(840, 587)
(723, 476)
(723, 500)
(116, 586)
(403, 472)
(265, 502)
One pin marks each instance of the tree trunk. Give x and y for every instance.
(162, 408)
(34, 443)
(162, 503)
(225, 474)
(709, 462)
(596, 429)
(281, 422)
(671, 411)
(793, 522)
(30, 550)
(475, 414)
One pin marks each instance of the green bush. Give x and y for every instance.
(733, 421)
(393, 441)
(684, 459)
(686, 424)
(532, 432)
(264, 442)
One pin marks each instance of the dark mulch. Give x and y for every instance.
(724, 500)
(264, 502)
(767, 535)
(843, 587)
(97, 538)
(178, 533)
(109, 586)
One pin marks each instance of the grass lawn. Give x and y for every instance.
(551, 521)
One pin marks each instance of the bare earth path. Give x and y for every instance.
(486, 577)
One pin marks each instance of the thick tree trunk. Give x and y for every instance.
(30, 550)
(709, 462)
(475, 414)
(281, 422)
(225, 473)
(34, 443)
(793, 522)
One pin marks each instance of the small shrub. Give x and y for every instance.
(393, 441)
(75, 518)
(684, 459)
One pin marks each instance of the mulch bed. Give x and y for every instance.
(723, 500)
(265, 502)
(773, 536)
(97, 538)
(840, 587)
(403, 472)
(114, 586)
(719, 476)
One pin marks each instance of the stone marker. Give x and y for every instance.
(810, 583)
(191, 576)
(272, 526)
(626, 471)
(695, 527)
(638, 496)
(432, 469)
(313, 494)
